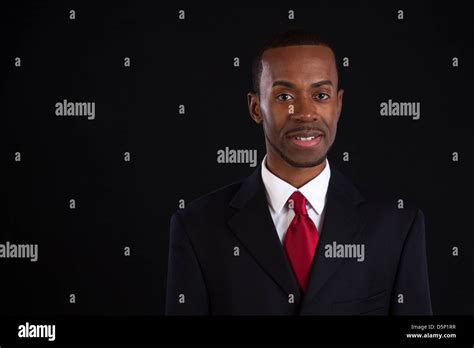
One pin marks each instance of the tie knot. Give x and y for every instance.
(298, 203)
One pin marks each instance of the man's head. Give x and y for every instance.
(297, 98)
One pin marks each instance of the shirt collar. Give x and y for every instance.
(279, 191)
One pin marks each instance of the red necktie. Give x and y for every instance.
(300, 240)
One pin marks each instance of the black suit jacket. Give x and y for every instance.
(225, 257)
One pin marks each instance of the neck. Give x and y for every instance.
(295, 176)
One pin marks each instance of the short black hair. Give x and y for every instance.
(294, 37)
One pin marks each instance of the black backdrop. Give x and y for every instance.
(190, 62)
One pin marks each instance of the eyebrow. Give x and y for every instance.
(292, 85)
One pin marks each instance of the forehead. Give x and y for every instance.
(299, 63)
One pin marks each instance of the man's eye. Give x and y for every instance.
(284, 97)
(322, 96)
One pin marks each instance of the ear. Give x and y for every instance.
(254, 107)
(340, 93)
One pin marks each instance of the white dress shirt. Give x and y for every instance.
(279, 191)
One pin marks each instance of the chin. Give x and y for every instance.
(307, 162)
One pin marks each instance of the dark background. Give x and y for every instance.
(173, 156)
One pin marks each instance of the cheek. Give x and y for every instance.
(274, 117)
(333, 128)
(330, 123)
(333, 117)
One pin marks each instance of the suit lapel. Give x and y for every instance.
(253, 226)
(341, 224)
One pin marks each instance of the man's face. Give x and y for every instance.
(298, 103)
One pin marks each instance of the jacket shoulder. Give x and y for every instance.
(213, 204)
(394, 214)
(377, 203)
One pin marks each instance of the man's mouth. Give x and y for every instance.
(306, 140)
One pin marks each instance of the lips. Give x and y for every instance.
(305, 134)
(305, 138)
(306, 141)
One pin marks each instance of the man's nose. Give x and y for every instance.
(304, 109)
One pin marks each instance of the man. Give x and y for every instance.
(296, 237)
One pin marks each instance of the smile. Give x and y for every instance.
(308, 141)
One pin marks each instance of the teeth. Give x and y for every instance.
(305, 138)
